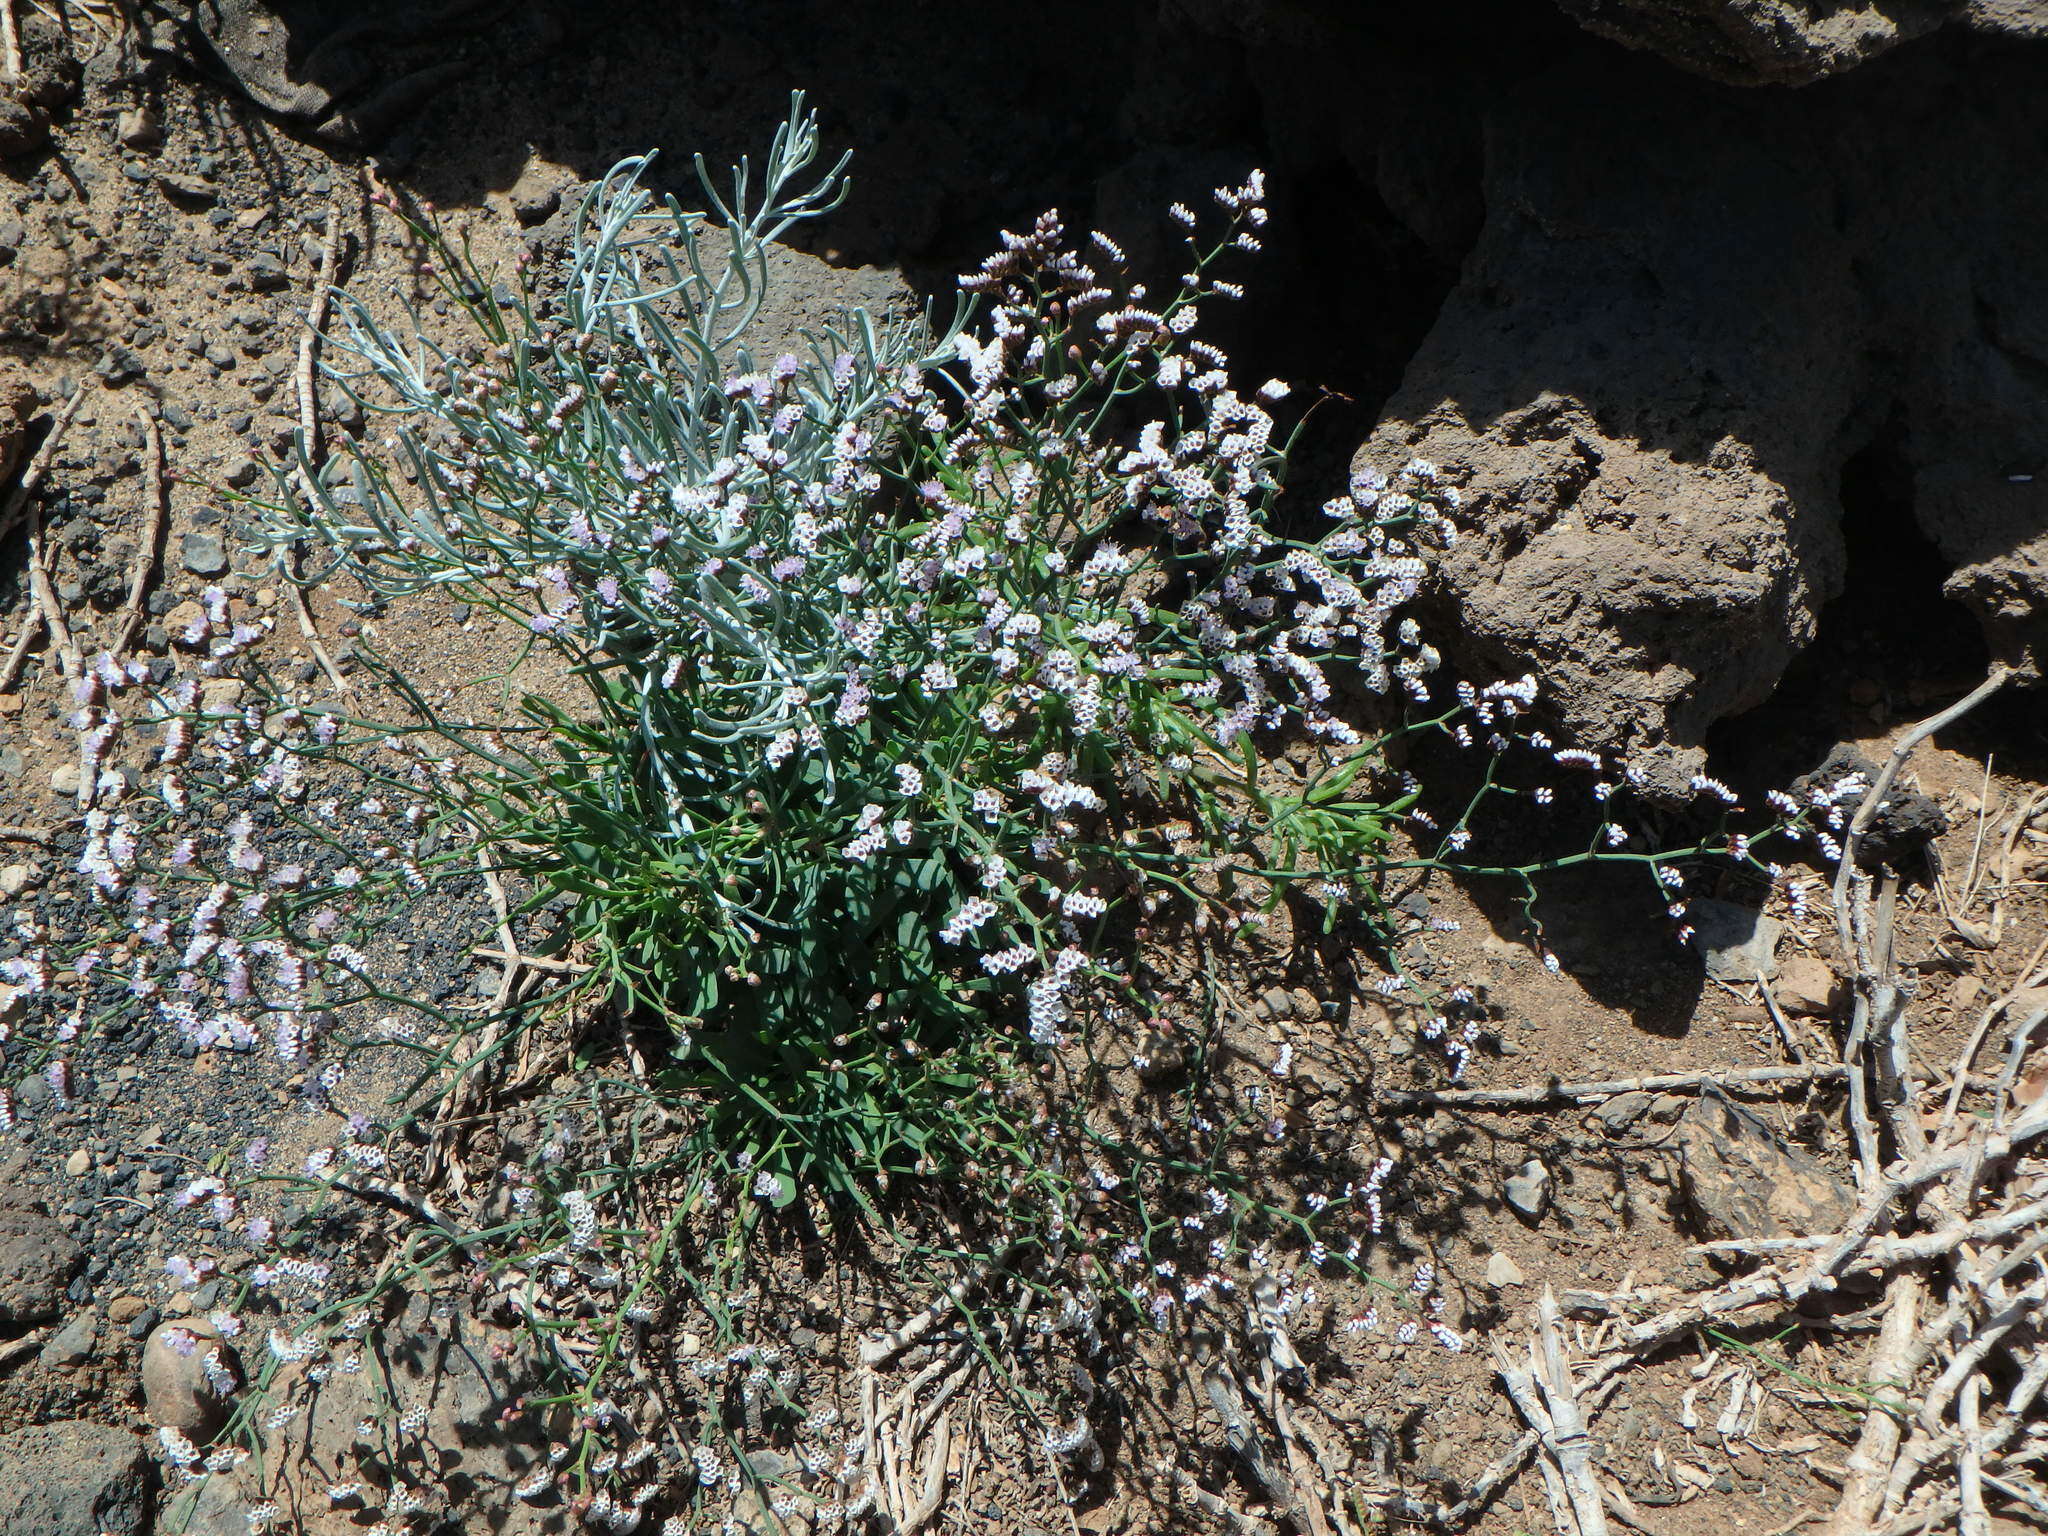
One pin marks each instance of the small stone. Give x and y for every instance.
(1157, 1057)
(242, 473)
(1502, 1272)
(1737, 944)
(1528, 1189)
(1807, 984)
(690, 1344)
(121, 365)
(12, 764)
(214, 1505)
(123, 1310)
(204, 554)
(73, 1343)
(149, 1182)
(533, 196)
(182, 617)
(15, 879)
(187, 191)
(220, 695)
(1623, 1110)
(143, 1321)
(267, 274)
(139, 127)
(176, 1387)
(64, 779)
(78, 1164)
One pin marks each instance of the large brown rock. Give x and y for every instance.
(1686, 310)
(1790, 42)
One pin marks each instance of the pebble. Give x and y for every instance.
(123, 1310)
(189, 190)
(220, 695)
(1502, 1272)
(1623, 1110)
(15, 879)
(73, 1343)
(1528, 1189)
(1807, 985)
(204, 554)
(78, 1164)
(140, 127)
(64, 779)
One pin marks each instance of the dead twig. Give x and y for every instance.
(309, 432)
(2028, 977)
(10, 42)
(44, 596)
(1972, 1519)
(1869, 1464)
(31, 627)
(886, 1346)
(927, 1507)
(1216, 1509)
(1569, 1442)
(1541, 1094)
(32, 477)
(155, 514)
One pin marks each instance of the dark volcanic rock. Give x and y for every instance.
(74, 1478)
(37, 1259)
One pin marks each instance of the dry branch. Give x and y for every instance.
(155, 513)
(1540, 1094)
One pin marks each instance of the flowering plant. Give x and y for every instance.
(892, 650)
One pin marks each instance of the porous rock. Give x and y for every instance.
(37, 1259)
(49, 79)
(1903, 821)
(73, 1478)
(1762, 42)
(1791, 42)
(1687, 309)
